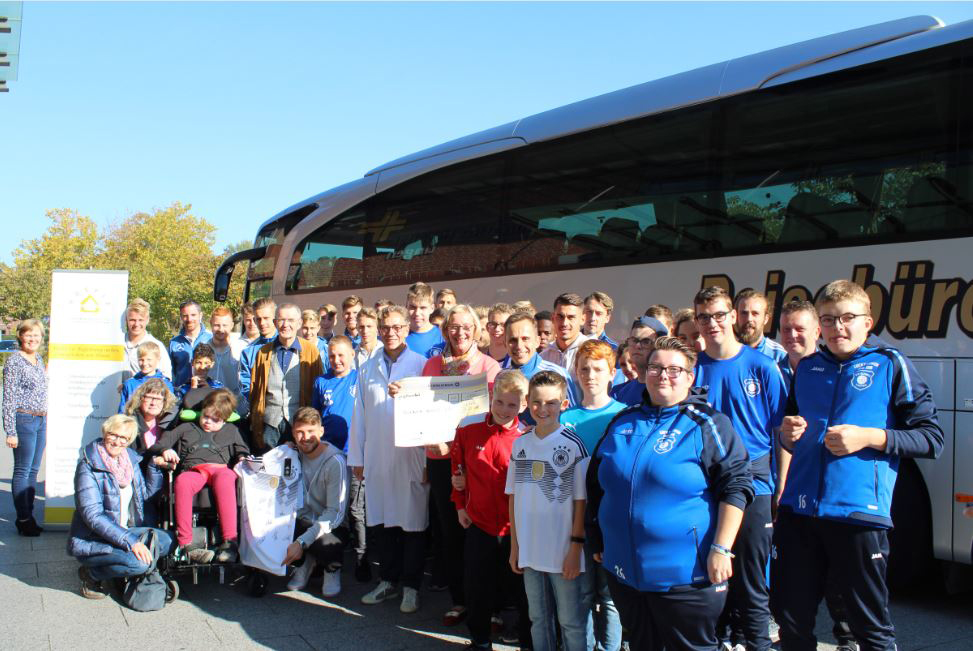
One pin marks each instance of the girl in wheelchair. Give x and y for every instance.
(203, 453)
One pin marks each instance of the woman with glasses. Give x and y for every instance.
(495, 328)
(461, 356)
(108, 532)
(25, 420)
(153, 406)
(667, 487)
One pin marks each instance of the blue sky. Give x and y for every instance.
(242, 109)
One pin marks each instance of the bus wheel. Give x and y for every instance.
(911, 562)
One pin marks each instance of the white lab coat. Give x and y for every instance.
(395, 495)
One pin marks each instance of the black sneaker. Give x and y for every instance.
(90, 589)
(363, 571)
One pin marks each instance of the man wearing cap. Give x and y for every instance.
(640, 343)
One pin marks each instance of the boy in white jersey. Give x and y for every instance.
(546, 485)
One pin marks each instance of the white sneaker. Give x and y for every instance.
(332, 583)
(384, 590)
(302, 574)
(410, 600)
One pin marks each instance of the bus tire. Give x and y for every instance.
(911, 563)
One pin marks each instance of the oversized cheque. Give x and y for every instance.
(429, 409)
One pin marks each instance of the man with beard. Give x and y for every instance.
(320, 530)
(753, 314)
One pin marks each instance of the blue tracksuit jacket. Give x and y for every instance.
(655, 483)
(876, 387)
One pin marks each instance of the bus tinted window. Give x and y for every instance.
(440, 226)
(870, 155)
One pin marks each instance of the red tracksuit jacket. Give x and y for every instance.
(484, 451)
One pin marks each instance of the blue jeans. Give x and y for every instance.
(121, 563)
(31, 440)
(547, 593)
(604, 629)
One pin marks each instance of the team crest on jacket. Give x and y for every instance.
(862, 378)
(667, 439)
(751, 386)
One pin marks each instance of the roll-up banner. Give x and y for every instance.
(86, 357)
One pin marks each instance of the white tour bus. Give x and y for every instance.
(847, 156)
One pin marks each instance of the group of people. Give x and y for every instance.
(638, 486)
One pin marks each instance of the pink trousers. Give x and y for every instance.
(222, 481)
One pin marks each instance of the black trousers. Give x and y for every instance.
(328, 556)
(401, 555)
(807, 549)
(451, 533)
(356, 515)
(492, 585)
(747, 612)
(674, 621)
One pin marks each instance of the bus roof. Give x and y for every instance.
(693, 87)
(780, 65)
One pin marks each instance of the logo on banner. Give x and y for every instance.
(862, 378)
(751, 386)
(667, 439)
(90, 305)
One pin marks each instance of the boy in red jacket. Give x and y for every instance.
(480, 456)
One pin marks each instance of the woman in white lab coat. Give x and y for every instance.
(396, 493)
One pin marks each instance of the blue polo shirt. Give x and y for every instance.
(426, 342)
(334, 397)
(749, 389)
(629, 392)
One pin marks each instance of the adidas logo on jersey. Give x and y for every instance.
(522, 454)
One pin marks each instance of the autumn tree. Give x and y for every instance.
(168, 254)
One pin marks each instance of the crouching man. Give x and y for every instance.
(320, 534)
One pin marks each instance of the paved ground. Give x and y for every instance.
(41, 609)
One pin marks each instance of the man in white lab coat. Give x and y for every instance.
(396, 493)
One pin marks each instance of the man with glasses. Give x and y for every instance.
(641, 343)
(284, 372)
(856, 408)
(748, 387)
(396, 493)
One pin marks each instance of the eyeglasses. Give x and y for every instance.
(672, 372)
(393, 328)
(148, 398)
(121, 438)
(493, 325)
(456, 328)
(828, 320)
(719, 317)
(644, 342)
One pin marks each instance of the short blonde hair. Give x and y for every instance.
(843, 290)
(26, 326)
(121, 425)
(310, 316)
(509, 381)
(147, 348)
(419, 292)
(139, 306)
